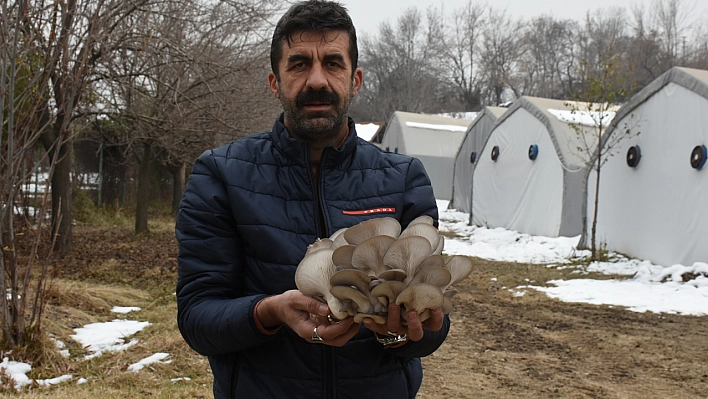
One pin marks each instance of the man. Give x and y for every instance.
(252, 207)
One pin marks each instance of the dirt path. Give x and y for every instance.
(531, 346)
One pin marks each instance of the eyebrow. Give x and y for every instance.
(297, 58)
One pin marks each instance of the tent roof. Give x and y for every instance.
(493, 112)
(695, 80)
(423, 134)
(563, 132)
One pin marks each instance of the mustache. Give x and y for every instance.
(319, 96)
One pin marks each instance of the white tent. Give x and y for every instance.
(657, 209)
(432, 139)
(466, 157)
(540, 196)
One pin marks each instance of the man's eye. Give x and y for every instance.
(333, 64)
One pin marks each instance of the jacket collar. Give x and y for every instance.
(298, 150)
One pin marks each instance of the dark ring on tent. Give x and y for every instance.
(634, 155)
(533, 152)
(698, 157)
(495, 153)
(473, 156)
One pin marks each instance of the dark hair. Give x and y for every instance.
(312, 16)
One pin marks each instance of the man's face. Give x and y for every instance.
(316, 84)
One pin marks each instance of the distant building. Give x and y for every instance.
(652, 196)
(467, 156)
(434, 140)
(529, 176)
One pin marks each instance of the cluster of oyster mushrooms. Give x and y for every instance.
(359, 270)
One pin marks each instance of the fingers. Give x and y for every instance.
(315, 307)
(393, 321)
(337, 334)
(415, 327)
(435, 322)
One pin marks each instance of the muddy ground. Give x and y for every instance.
(531, 346)
(501, 345)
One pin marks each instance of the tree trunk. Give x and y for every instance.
(61, 188)
(141, 208)
(593, 236)
(178, 182)
(61, 201)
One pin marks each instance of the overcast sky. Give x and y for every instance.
(369, 14)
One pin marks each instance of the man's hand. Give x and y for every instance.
(414, 328)
(296, 310)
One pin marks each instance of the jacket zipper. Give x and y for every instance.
(321, 222)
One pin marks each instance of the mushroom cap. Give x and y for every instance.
(338, 238)
(437, 276)
(419, 297)
(407, 253)
(337, 233)
(314, 271)
(441, 246)
(359, 301)
(447, 300)
(387, 226)
(423, 230)
(359, 318)
(388, 291)
(369, 254)
(431, 261)
(460, 266)
(312, 279)
(393, 275)
(324, 243)
(342, 256)
(422, 219)
(351, 278)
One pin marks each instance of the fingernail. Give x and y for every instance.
(324, 310)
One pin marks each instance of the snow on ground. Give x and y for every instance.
(125, 309)
(97, 338)
(108, 337)
(18, 372)
(648, 287)
(156, 358)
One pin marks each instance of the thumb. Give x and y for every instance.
(317, 308)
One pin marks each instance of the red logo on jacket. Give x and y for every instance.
(370, 211)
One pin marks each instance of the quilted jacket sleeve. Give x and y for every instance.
(420, 200)
(213, 315)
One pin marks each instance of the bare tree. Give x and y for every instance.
(501, 50)
(73, 35)
(400, 66)
(186, 82)
(598, 104)
(24, 262)
(460, 57)
(549, 61)
(670, 20)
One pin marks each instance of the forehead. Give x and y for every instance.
(332, 41)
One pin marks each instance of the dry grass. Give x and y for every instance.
(115, 268)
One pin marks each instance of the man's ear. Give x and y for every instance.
(358, 81)
(273, 83)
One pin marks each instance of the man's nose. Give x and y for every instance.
(317, 80)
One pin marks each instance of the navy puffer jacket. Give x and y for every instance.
(248, 214)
